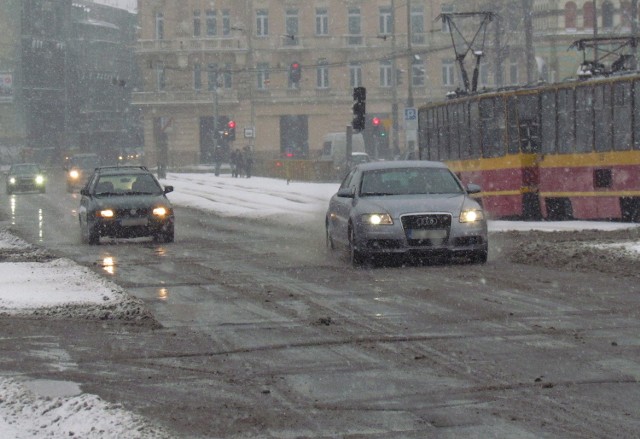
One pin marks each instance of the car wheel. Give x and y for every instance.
(355, 255)
(167, 236)
(93, 237)
(330, 244)
(43, 191)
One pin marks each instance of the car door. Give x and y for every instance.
(342, 205)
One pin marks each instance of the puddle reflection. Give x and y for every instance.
(109, 264)
(163, 294)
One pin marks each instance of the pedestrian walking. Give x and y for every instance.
(248, 161)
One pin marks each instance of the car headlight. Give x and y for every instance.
(74, 174)
(12, 180)
(160, 211)
(471, 216)
(39, 179)
(377, 219)
(106, 213)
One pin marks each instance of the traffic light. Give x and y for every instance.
(295, 73)
(231, 130)
(378, 128)
(359, 108)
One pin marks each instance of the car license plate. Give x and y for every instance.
(129, 222)
(427, 234)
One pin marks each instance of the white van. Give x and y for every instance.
(334, 148)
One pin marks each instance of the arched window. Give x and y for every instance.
(589, 16)
(607, 15)
(570, 14)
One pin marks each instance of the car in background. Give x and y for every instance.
(406, 207)
(78, 168)
(23, 177)
(125, 202)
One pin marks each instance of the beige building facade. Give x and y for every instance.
(208, 62)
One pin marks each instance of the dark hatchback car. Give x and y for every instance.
(23, 177)
(125, 202)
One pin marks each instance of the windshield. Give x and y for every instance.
(85, 162)
(409, 181)
(127, 184)
(25, 169)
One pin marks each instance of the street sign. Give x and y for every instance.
(411, 118)
(249, 132)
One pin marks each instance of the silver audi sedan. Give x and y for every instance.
(406, 207)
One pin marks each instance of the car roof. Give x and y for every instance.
(114, 170)
(401, 164)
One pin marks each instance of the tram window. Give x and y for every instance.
(443, 133)
(636, 114)
(529, 125)
(513, 131)
(548, 122)
(566, 120)
(602, 114)
(584, 119)
(432, 136)
(622, 116)
(454, 132)
(492, 118)
(465, 140)
(474, 124)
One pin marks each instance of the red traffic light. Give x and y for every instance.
(375, 121)
(231, 124)
(295, 65)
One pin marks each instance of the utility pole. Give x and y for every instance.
(409, 58)
(527, 6)
(634, 32)
(394, 84)
(595, 31)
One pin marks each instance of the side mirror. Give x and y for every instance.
(346, 193)
(168, 189)
(84, 192)
(473, 188)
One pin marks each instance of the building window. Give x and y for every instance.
(446, 9)
(262, 23)
(212, 76)
(386, 79)
(161, 81)
(355, 27)
(227, 76)
(322, 21)
(322, 74)
(589, 16)
(355, 75)
(417, 25)
(514, 72)
(262, 76)
(607, 15)
(386, 21)
(226, 23)
(196, 23)
(570, 16)
(417, 72)
(291, 27)
(448, 72)
(159, 26)
(197, 77)
(212, 28)
(483, 73)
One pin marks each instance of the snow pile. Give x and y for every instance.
(24, 414)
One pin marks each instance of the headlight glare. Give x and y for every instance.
(12, 180)
(74, 174)
(377, 219)
(39, 179)
(160, 211)
(107, 213)
(471, 216)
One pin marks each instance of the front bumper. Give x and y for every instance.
(24, 185)
(394, 239)
(132, 227)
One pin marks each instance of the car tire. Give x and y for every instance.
(168, 236)
(329, 240)
(93, 237)
(355, 255)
